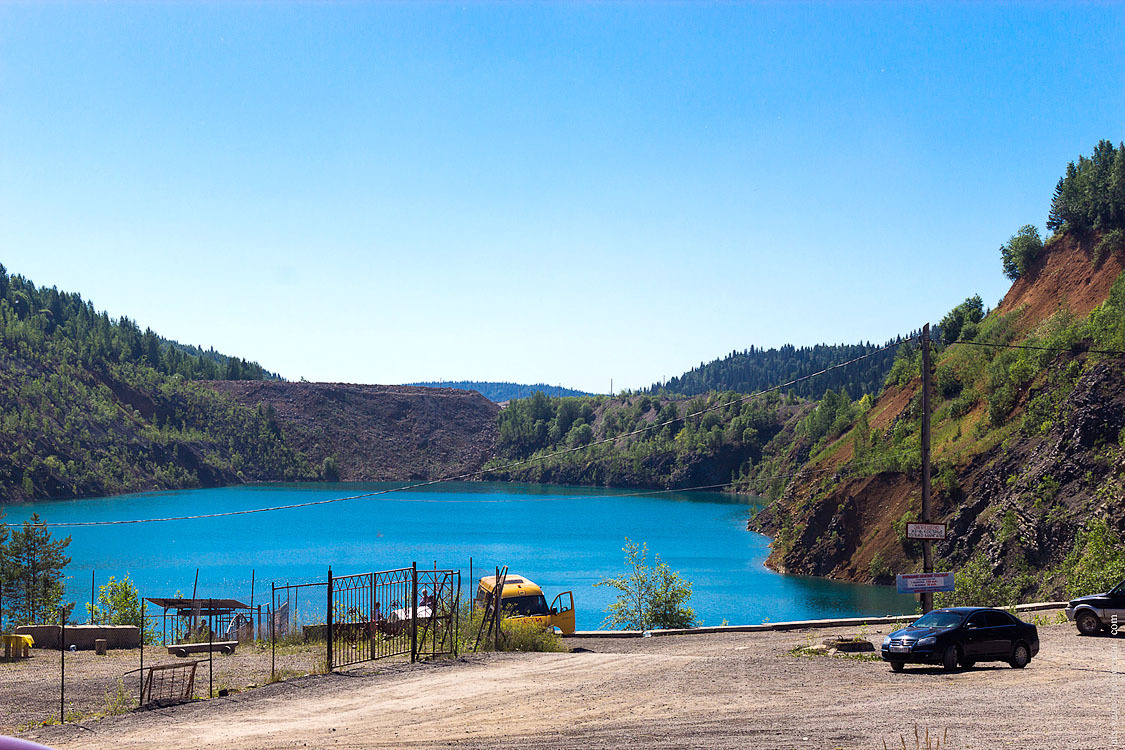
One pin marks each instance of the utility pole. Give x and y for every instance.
(927, 545)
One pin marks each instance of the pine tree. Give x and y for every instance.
(34, 574)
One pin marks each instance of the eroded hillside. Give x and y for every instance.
(1027, 442)
(377, 432)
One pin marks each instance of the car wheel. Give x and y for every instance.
(1021, 655)
(950, 658)
(1088, 623)
(898, 666)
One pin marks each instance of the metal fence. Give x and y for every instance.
(306, 627)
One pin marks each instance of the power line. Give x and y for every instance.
(1076, 349)
(479, 472)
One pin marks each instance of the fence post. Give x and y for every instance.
(141, 698)
(414, 612)
(328, 621)
(62, 665)
(210, 650)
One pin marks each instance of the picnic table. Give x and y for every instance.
(18, 646)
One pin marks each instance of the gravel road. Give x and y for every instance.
(734, 690)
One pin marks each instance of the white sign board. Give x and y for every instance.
(925, 531)
(917, 583)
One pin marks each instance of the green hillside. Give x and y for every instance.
(90, 405)
(754, 369)
(1028, 423)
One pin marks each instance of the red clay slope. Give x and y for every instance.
(1064, 277)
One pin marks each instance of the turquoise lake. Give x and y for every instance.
(560, 537)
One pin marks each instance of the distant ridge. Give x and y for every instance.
(500, 392)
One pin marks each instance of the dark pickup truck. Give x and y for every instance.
(1098, 612)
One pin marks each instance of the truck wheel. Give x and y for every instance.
(1088, 623)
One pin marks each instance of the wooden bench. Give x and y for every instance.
(183, 649)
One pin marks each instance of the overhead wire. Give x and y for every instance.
(479, 472)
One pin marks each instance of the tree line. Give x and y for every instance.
(756, 369)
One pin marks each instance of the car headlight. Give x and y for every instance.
(886, 641)
(929, 641)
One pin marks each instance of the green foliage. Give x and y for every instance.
(119, 603)
(648, 597)
(1110, 243)
(94, 406)
(971, 311)
(636, 440)
(1020, 251)
(1091, 195)
(754, 369)
(31, 570)
(977, 585)
(878, 569)
(525, 635)
(1097, 561)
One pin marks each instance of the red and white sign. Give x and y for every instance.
(925, 531)
(916, 583)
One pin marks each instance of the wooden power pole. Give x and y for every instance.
(927, 545)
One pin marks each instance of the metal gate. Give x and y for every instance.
(391, 613)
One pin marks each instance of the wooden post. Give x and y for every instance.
(927, 545)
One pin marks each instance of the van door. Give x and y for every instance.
(562, 612)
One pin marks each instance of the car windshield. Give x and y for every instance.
(938, 620)
(1118, 589)
(525, 606)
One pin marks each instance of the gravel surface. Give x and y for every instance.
(29, 688)
(734, 690)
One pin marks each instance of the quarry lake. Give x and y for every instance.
(560, 537)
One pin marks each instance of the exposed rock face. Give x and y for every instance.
(1021, 500)
(378, 432)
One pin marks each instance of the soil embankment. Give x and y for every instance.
(378, 432)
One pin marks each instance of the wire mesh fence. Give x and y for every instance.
(194, 647)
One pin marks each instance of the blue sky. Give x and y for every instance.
(565, 193)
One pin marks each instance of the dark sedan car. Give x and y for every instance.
(962, 635)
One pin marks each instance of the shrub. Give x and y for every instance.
(648, 597)
(1097, 561)
(1020, 251)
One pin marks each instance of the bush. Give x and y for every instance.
(1097, 561)
(1111, 242)
(977, 586)
(1020, 251)
(648, 597)
(515, 635)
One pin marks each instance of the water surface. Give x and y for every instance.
(560, 537)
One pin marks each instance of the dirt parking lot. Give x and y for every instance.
(735, 690)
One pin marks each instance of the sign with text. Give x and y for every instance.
(925, 531)
(917, 583)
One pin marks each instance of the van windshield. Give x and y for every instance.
(526, 606)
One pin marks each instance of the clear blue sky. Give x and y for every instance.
(564, 193)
